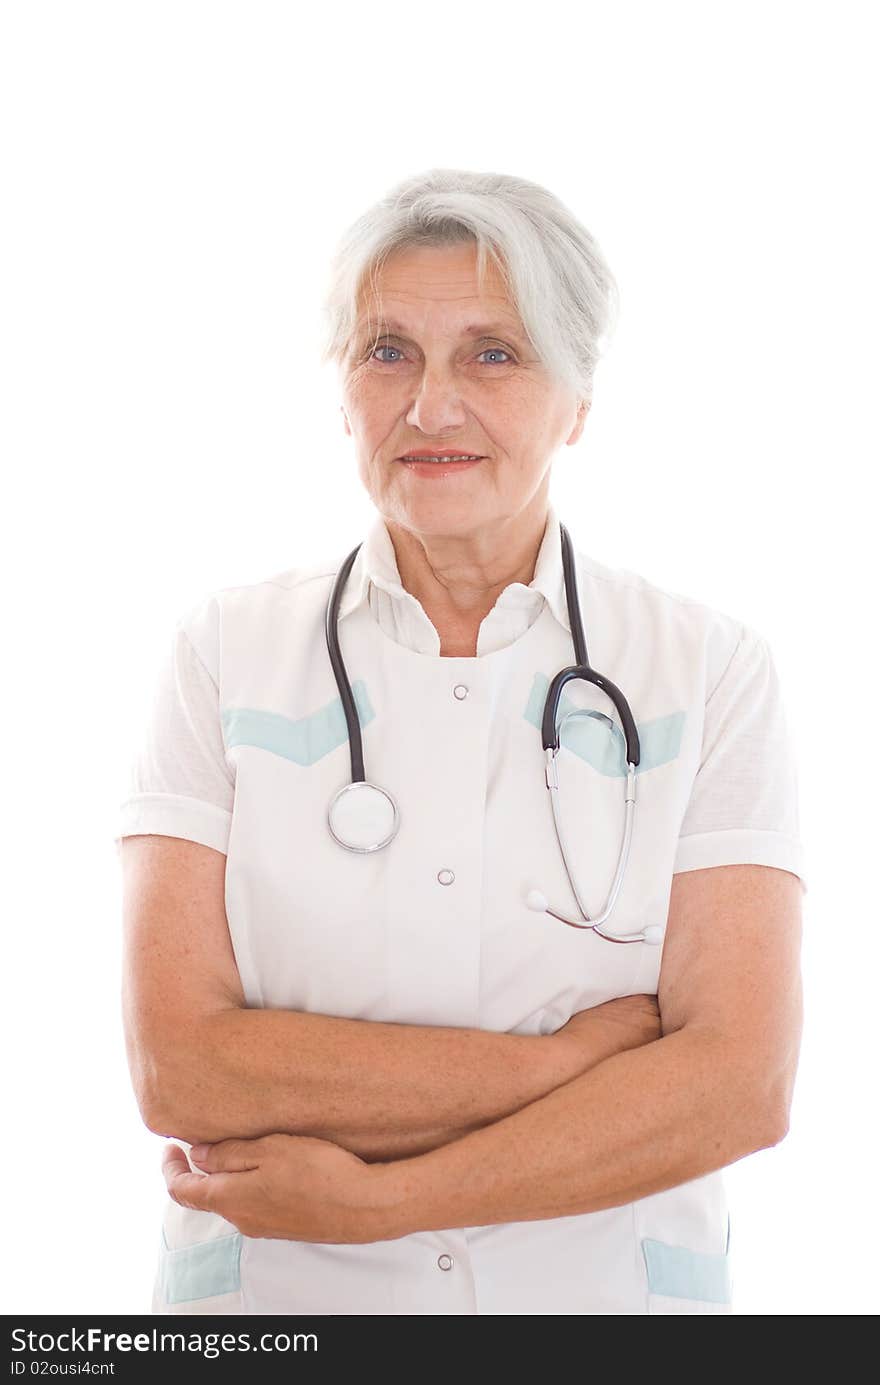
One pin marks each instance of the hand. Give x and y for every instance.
(286, 1187)
(627, 1021)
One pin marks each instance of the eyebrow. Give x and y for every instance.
(473, 329)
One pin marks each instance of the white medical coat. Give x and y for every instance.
(244, 750)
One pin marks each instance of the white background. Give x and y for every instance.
(175, 177)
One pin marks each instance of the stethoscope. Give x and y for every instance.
(364, 817)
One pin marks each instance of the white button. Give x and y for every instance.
(446, 877)
(460, 691)
(445, 1262)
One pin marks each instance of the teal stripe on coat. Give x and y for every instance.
(681, 1273)
(200, 1271)
(598, 738)
(304, 740)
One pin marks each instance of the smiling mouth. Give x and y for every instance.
(457, 459)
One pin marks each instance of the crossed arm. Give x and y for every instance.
(462, 1126)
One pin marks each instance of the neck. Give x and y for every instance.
(457, 578)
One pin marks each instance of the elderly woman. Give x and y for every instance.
(459, 983)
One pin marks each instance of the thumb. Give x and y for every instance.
(226, 1156)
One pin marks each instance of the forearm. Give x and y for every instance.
(381, 1090)
(637, 1123)
(561, 1060)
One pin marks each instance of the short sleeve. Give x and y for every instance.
(180, 783)
(743, 806)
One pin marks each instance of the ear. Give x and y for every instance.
(583, 409)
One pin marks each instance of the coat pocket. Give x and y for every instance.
(199, 1278)
(681, 1280)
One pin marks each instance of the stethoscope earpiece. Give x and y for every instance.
(652, 933)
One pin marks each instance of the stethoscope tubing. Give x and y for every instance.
(355, 741)
(550, 733)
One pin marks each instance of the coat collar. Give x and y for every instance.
(376, 562)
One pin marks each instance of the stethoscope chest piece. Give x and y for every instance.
(363, 817)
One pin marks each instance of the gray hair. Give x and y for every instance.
(554, 272)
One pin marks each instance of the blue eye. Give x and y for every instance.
(387, 346)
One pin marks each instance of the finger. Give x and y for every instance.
(228, 1156)
(186, 1188)
(174, 1161)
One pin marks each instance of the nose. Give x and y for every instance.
(437, 406)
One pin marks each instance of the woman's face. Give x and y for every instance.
(451, 368)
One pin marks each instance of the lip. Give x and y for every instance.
(440, 469)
